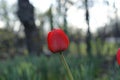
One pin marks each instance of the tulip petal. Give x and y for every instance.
(57, 40)
(118, 56)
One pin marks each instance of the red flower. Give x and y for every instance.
(118, 56)
(57, 40)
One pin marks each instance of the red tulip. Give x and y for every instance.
(57, 40)
(118, 56)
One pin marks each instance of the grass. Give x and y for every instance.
(50, 68)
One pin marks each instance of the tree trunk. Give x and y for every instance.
(26, 15)
(50, 18)
(88, 37)
(117, 30)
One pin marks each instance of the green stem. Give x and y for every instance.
(66, 66)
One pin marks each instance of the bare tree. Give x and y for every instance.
(117, 29)
(26, 15)
(88, 37)
(50, 15)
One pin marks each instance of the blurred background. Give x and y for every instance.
(93, 27)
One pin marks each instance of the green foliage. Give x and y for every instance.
(50, 68)
(7, 39)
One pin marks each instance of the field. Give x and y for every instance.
(44, 67)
